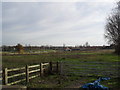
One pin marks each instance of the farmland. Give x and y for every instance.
(56, 81)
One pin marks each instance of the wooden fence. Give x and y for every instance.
(27, 72)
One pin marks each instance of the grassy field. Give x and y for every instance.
(11, 61)
(56, 81)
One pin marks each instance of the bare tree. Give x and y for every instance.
(112, 28)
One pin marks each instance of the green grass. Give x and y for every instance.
(74, 57)
(21, 60)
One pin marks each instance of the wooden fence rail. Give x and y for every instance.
(1, 76)
(35, 70)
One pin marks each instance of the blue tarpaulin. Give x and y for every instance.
(96, 84)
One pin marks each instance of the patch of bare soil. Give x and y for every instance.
(76, 84)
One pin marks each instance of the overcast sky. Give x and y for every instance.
(54, 23)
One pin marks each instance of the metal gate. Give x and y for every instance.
(89, 68)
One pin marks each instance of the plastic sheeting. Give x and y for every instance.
(96, 84)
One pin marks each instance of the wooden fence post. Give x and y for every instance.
(27, 73)
(5, 76)
(57, 68)
(61, 68)
(50, 68)
(41, 69)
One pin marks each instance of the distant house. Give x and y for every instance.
(68, 49)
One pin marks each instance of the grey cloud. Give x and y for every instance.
(40, 23)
